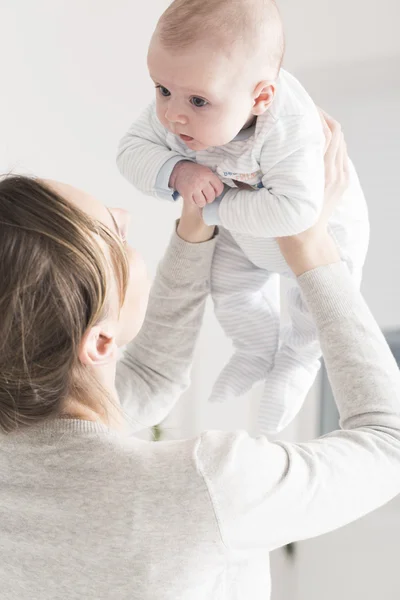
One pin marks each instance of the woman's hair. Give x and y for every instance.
(53, 288)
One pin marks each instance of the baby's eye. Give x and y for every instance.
(198, 102)
(163, 91)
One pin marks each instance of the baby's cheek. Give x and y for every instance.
(210, 133)
(161, 114)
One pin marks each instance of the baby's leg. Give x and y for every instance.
(247, 305)
(295, 367)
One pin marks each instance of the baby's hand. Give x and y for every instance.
(196, 184)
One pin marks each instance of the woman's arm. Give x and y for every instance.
(154, 370)
(268, 494)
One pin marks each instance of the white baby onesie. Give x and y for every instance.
(281, 157)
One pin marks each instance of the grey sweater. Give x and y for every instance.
(90, 514)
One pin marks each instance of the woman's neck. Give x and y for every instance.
(113, 418)
(107, 411)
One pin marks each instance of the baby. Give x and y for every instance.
(233, 132)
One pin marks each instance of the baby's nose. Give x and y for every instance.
(175, 116)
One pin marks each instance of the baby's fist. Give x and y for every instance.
(195, 183)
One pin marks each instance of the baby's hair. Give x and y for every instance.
(256, 24)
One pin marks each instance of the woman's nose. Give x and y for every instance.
(123, 218)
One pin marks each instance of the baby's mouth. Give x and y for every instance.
(185, 138)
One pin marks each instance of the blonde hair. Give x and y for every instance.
(256, 24)
(53, 288)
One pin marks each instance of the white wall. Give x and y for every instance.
(73, 77)
(325, 32)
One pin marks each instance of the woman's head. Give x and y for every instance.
(71, 292)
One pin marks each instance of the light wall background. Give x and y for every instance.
(73, 77)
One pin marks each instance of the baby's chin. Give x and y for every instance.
(199, 146)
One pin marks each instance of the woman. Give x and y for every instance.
(87, 511)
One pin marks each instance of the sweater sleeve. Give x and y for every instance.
(267, 494)
(293, 179)
(144, 157)
(155, 368)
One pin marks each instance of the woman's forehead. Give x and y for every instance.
(86, 202)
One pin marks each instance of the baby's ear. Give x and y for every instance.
(263, 96)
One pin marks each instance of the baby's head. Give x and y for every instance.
(215, 64)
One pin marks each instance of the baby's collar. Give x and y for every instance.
(245, 134)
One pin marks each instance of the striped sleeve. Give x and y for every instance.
(293, 179)
(143, 152)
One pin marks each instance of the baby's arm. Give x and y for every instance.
(145, 159)
(293, 178)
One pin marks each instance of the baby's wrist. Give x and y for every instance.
(176, 171)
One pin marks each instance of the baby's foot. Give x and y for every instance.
(237, 378)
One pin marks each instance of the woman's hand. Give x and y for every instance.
(191, 227)
(315, 247)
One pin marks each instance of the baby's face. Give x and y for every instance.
(201, 95)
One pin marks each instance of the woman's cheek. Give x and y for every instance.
(140, 280)
(136, 298)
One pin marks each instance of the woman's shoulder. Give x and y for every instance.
(232, 452)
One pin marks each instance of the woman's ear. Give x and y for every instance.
(263, 96)
(98, 347)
